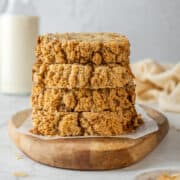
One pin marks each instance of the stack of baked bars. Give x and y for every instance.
(83, 85)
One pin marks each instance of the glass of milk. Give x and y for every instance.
(19, 29)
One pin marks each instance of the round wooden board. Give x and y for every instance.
(91, 153)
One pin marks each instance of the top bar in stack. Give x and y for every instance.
(83, 48)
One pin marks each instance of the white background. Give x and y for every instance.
(153, 26)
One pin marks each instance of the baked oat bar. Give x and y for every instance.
(85, 123)
(78, 100)
(81, 76)
(95, 48)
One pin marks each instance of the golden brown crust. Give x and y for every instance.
(78, 100)
(81, 76)
(85, 123)
(83, 48)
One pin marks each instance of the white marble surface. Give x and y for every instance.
(165, 156)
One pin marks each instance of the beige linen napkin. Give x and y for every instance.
(158, 83)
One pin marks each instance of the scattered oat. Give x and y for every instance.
(20, 174)
(19, 156)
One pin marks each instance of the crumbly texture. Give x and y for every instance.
(83, 48)
(85, 123)
(83, 86)
(81, 76)
(78, 100)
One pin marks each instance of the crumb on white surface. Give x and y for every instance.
(19, 156)
(20, 174)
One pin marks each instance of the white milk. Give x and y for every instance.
(17, 41)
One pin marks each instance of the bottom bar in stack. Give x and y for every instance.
(85, 123)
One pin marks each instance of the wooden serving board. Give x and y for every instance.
(91, 153)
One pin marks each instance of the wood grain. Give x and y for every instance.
(88, 154)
